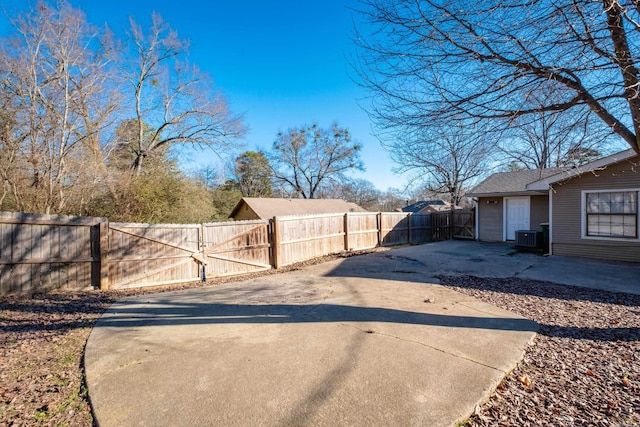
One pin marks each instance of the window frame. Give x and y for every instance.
(583, 214)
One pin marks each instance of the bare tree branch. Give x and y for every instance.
(174, 102)
(54, 71)
(430, 60)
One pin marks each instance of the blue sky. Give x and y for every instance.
(281, 63)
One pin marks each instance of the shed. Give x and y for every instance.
(424, 206)
(264, 208)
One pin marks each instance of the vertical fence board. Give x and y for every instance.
(394, 228)
(420, 226)
(363, 230)
(306, 237)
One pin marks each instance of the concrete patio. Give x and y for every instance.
(365, 340)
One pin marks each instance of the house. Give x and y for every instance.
(424, 206)
(591, 210)
(265, 208)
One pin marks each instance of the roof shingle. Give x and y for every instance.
(514, 182)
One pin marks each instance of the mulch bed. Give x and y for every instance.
(582, 369)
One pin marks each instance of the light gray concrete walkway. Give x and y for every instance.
(367, 340)
(459, 257)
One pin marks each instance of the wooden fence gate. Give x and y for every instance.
(232, 248)
(160, 254)
(153, 254)
(464, 224)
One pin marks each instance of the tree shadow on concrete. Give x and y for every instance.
(131, 314)
(403, 268)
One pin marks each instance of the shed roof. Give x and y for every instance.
(270, 207)
(418, 206)
(510, 183)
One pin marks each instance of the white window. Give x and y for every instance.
(611, 214)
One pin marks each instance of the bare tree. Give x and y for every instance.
(11, 164)
(446, 159)
(392, 199)
(174, 99)
(484, 59)
(555, 139)
(53, 73)
(362, 192)
(548, 141)
(70, 135)
(306, 158)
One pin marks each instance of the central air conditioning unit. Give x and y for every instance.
(529, 240)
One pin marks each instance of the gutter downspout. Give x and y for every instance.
(477, 218)
(550, 220)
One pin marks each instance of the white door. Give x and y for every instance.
(516, 215)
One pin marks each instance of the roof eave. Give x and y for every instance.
(545, 183)
(507, 194)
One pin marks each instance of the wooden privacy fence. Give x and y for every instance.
(44, 252)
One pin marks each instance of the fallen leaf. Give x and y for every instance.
(590, 372)
(524, 380)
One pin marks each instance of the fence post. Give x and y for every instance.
(346, 231)
(202, 246)
(379, 219)
(275, 242)
(451, 224)
(104, 254)
(409, 218)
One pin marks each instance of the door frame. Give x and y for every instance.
(505, 212)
